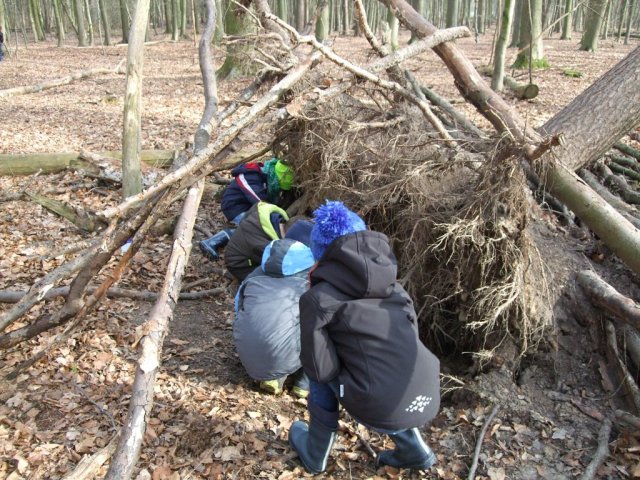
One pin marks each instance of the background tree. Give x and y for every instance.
(595, 15)
(106, 24)
(501, 46)
(131, 132)
(567, 20)
(323, 24)
(79, 17)
(530, 38)
(452, 13)
(124, 20)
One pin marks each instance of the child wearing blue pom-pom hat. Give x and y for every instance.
(360, 346)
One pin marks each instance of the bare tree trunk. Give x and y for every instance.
(79, 14)
(501, 46)
(131, 132)
(106, 24)
(59, 22)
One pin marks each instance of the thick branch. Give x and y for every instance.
(58, 82)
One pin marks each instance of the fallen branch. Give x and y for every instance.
(13, 296)
(604, 295)
(631, 163)
(625, 171)
(90, 465)
(58, 82)
(632, 344)
(602, 452)
(476, 455)
(628, 419)
(618, 183)
(82, 219)
(524, 91)
(29, 163)
(616, 202)
(626, 149)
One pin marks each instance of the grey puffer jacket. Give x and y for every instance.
(359, 325)
(267, 326)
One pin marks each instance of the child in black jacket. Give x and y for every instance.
(360, 346)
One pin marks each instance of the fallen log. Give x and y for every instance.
(627, 418)
(58, 82)
(525, 91)
(618, 183)
(626, 149)
(30, 163)
(631, 163)
(632, 344)
(604, 295)
(625, 171)
(83, 219)
(14, 296)
(90, 465)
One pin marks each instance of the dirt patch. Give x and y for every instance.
(209, 420)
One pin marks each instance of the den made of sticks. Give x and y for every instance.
(495, 143)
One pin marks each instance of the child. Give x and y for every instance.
(267, 325)
(252, 182)
(263, 223)
(360, 346)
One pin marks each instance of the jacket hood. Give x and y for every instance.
(247, 167)
(282, 258)
(360, 264)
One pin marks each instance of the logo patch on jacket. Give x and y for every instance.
(418, 404)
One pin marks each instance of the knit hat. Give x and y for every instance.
(332, 220)
(300, 231)
(284, 174)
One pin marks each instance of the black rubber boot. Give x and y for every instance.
(313, 443)
(211, 245)
(411, 451)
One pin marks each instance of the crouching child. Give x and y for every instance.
(266, 330)
(360, 346)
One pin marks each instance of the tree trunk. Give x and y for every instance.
(59, 22)
(79, 15)
(394, 26)
(322, 24)
(614, 93)
(632, 5)
(452, 13)
(131, 132)
(89, 21)
(106, 24)
(530, 41)
(300, 15)
(124, 20)
(595, 14)
(621, 13)
(515, 31)
(567, 20)
(501, 46)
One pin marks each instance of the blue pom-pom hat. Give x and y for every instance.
(332, 220)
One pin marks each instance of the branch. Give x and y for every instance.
(602, 452)
(476, 455)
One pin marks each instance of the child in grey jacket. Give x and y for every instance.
(360, 346)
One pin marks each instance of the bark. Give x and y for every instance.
(237, 62)
(618, 100)
(106, 24)
(595, 15)
(45, 163)
(78, 11)
(131, 130)
(604, 295)
(48, 84)
(567, 20)
(124, 20)
(632, 343)
(618, 183)
(59, 22)
(530, 39)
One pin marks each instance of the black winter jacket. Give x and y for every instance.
(248, 187)
(359, 325)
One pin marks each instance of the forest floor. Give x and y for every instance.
(209, 420)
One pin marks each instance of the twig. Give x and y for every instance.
(476, 455)
(98, 407)
(628, 418)
(602, 451)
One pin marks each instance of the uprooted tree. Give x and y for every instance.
(456, 201)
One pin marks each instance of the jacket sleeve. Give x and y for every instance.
(317, 353)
